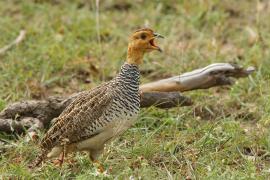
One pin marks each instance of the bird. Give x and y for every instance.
(99, 115)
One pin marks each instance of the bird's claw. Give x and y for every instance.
(58, 162)
(100, 170)
(99, 166)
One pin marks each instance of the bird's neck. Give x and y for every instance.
(129, 71)
(134, 56)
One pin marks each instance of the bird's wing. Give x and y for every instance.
(83, 111)
(77, 102)
(83, 95)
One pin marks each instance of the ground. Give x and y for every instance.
(75, 45)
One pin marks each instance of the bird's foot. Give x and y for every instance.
(100, 169)
(58, 162)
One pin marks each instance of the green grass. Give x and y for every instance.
(225, 135)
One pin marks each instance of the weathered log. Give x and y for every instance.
(218, 74)
(164, 99)
(36, 114)
(17, 116)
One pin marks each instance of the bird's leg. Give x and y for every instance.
(63, 154)
(61, 159)
(94, 154)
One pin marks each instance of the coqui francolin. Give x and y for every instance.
(99, 115)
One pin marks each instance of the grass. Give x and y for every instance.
(225, 135)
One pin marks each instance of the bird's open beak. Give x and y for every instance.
(156, 35)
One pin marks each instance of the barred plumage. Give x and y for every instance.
(95, 110)
(101, 114)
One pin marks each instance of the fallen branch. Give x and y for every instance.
(15, 42)
(36, 114)
(17, 116)
(218, 74)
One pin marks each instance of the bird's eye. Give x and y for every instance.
(143, 36)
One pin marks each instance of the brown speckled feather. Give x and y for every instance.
(74, 119)
(79, 100)
(92, 112)
(89, 106)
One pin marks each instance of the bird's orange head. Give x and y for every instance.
(141, 42)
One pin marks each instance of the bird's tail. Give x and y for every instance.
(36, 162)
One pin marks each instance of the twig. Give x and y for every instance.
(15, 42)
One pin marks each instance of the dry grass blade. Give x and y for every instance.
(19, 39)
